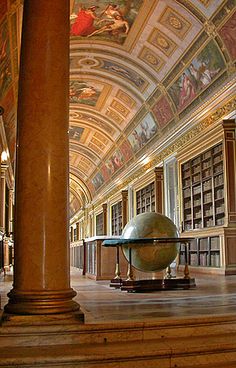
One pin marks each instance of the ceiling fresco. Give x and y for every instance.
(138, 70)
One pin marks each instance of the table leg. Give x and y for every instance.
(130, 276)
(117, 270)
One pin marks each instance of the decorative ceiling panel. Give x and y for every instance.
(138, 69)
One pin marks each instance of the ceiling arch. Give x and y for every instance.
(139, 68)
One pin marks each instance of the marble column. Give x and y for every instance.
(41, 272)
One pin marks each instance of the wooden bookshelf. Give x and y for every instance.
(145, 199)
(203, 190)
(99, 224)
(203, 252)
(116, 218)
(207, 169)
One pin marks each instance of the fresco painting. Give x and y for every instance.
(126, 150)
(198, 76)
(85, 93)
(124, 72)
(228, 34)
(105, 172)
(110, 20)
(162, 112)
(143, 132)
(5, 64)
(75, 132)
(98, 180)
(115, 162)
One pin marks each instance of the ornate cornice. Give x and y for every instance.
(179, 143)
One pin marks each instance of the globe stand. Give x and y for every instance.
(147, 285)
(116, 282)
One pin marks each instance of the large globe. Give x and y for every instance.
(150, 257)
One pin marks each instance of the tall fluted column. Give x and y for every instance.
(41, 275)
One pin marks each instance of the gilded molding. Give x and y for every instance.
(219, 114)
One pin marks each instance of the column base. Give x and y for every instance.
(41, 302)
(60, 319)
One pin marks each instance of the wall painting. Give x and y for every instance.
(124, 72)
(115, 162)
(228, 34)
(97, 181)
(84, 92)
(203, 69)
(143, 133)
(75, 132)
(126, 150)
(162, 112)
(107, 20)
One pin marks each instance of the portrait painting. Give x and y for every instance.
(5, 63)
(107, 20)
(162, 112)
(75, 132)
(84, 92)
(199, 75)
(143, 133)
(228, 35)
(98, 180)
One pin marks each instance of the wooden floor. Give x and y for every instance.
(214, 295)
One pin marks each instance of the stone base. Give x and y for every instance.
(8, 319)
(200, 342)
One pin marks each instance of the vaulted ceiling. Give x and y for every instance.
(127, 82)
(138, 70)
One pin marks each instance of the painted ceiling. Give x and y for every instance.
(137, 69)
